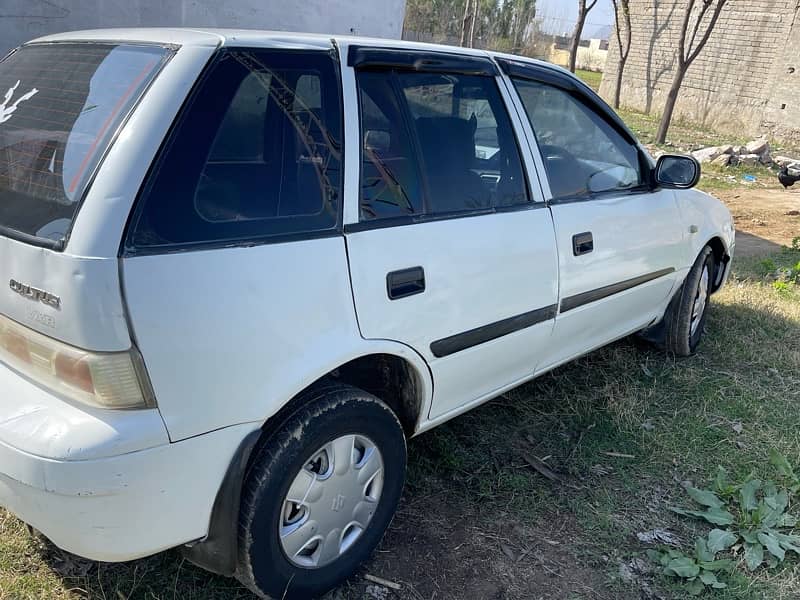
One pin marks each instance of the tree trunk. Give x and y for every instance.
(576, 37)
(618, 84)
(669, 105)
(472, 24)
(465, 23)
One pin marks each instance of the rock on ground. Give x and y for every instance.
(723, 160)
(705, 155)
(759, 146)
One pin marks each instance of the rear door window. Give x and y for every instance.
(60, 106)
(255, 154)
(435, 144)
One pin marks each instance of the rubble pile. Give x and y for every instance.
(757, 152)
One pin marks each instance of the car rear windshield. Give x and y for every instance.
(60, 106)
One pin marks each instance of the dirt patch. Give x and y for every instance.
(440, 548)
(766, 219)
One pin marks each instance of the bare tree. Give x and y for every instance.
(583, 11)
(468, 24)
(705, 17)
(475, 17)
(623, 25)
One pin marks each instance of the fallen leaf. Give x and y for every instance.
(382, 581)
(618, 455)
(542, 468)
(658, 536)
(508, 551)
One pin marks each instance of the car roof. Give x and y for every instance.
(185, 36)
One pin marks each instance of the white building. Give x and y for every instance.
(22, 20)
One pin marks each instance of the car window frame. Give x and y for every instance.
(570, 84)
(398, 60)
(129, 249)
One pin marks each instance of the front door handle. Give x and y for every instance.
(405, 283)
(582, 243)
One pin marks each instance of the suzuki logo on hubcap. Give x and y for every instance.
(338, 503)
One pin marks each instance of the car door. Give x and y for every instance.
(235, 267)
(620, 241)
(450, 251)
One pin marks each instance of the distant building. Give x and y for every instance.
(22, 20)
(591, 55)
(746, 80)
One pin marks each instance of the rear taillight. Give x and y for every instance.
(103, 379)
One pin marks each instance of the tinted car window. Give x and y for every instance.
(60, 106)
(434, 144)
(390, 180)
(256, 153)
(582, 153)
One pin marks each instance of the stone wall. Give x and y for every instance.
(22, 20)
(746, 80)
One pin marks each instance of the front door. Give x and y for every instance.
(620, 242)
(450, 254)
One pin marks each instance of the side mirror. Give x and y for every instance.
(676, 171)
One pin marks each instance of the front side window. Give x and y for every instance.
(60, 106)
(435, 144)
(257, 153)
(582, 153)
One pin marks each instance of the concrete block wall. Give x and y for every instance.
(22, 20)
(737, 84)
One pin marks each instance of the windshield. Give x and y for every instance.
(60, 105)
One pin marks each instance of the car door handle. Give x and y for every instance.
(582, 243)
(405, 283)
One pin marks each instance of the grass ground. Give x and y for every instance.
(592, 78)
(613, 436)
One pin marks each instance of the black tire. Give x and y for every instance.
(329, 413)
(680, 339)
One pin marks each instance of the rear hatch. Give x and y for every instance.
(61, 105)
(62, 318)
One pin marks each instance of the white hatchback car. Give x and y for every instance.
(245, 266)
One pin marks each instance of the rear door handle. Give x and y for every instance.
(582, 243)
(405, 283)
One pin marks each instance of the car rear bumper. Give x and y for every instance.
(108, 507)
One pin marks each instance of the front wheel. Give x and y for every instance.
(320, 494)
(686, 322)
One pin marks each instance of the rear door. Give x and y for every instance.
(620, 242)
(235, 270)
(451, 251)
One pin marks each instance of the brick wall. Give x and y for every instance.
(741, 82)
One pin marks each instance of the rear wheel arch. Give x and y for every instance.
(391, 378)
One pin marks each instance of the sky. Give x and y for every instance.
(560, 15)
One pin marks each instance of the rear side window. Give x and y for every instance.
(60, 106)
(435, 144)
(582, 153)
(256, 154)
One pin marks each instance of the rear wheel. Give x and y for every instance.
(686, 321)
(320, 494)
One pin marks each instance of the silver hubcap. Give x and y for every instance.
(331, 501)
(700, 301)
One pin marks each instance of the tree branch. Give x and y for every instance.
(703, 10)
(701, 44)
(684, 28)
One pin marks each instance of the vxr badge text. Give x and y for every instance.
(33, 293)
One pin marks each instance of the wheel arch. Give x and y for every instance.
(395, 374)
(722, 258)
